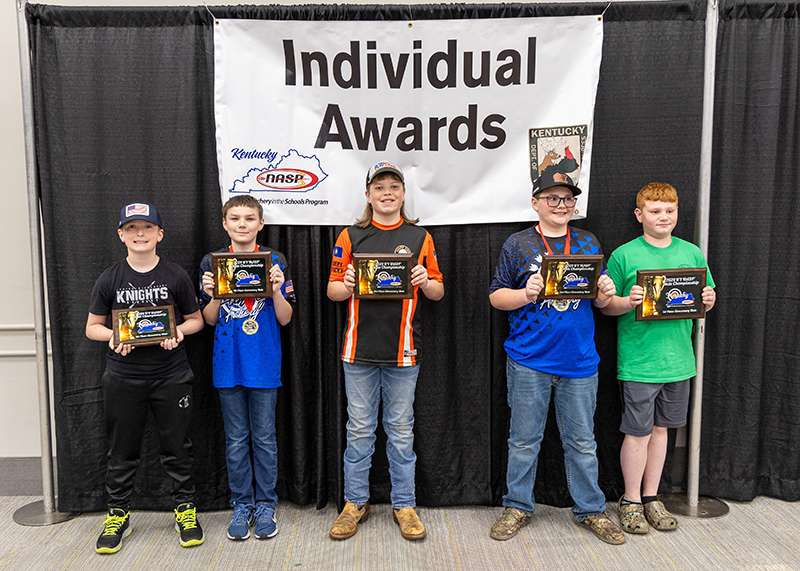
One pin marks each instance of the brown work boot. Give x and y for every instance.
(410, 526)
(346, 524)
(508, 524)
(603, 528)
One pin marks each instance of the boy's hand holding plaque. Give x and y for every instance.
(383, 276)
(241, 274)
(671, 294)
(143, 325)
(570, 277)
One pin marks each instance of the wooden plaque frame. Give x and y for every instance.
(383, 276)
(570, 277)
(158, 323)
(232, 269)
(675, 293)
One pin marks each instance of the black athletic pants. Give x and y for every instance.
(126, 404)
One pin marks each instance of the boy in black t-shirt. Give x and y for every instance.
(154, 377)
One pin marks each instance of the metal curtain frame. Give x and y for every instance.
(690, 503)
(701, 238)
(44, 512)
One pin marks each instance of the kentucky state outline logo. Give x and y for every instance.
(292, 172)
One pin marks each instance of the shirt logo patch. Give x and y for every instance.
(337, 251)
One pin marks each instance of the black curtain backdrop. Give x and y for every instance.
(751, 420)
(124, 111)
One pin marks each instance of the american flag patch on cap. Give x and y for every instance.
(137, 209)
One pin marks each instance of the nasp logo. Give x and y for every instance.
(291, 172)
(676, 296)
(574, 280)
(287, 180)
(385, 279)
(145, 325)
(243, 277)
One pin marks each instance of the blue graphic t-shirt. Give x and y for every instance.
(247, 340)
(554, 336)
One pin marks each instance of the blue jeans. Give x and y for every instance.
(529, 398)
(364, 385)
(249, 416)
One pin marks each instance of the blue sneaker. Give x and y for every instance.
(266, 526)
(239, 528)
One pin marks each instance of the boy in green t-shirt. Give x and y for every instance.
(655, 358)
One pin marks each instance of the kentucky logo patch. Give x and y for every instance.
(559, 149)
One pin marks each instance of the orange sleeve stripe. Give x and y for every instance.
(428, 255)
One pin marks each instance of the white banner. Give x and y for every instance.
(471, 110)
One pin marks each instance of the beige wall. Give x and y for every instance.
(19, 416)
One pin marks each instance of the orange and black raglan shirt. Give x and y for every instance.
(383, 332)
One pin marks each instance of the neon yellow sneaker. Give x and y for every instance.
(117, 526)
(186, 523)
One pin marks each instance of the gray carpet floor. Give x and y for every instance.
(762, 535)
(757, 536)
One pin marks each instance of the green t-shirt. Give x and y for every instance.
(653, 351)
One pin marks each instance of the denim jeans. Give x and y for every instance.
(529, 394)
(249, 416)
(364, 385)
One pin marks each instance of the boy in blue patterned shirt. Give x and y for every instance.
(247, 372)
(550, 350)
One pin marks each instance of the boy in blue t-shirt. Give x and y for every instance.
(550, 351)
(247, 372)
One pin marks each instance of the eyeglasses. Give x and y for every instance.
(554, 201)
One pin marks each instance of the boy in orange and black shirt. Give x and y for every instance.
(381, 351)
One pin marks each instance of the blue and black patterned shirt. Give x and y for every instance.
(248, 356)
(554, 336)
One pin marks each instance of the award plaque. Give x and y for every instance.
(383, 276)
(241, 274)
(143, 325)
(671, 294)
(570, 277)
